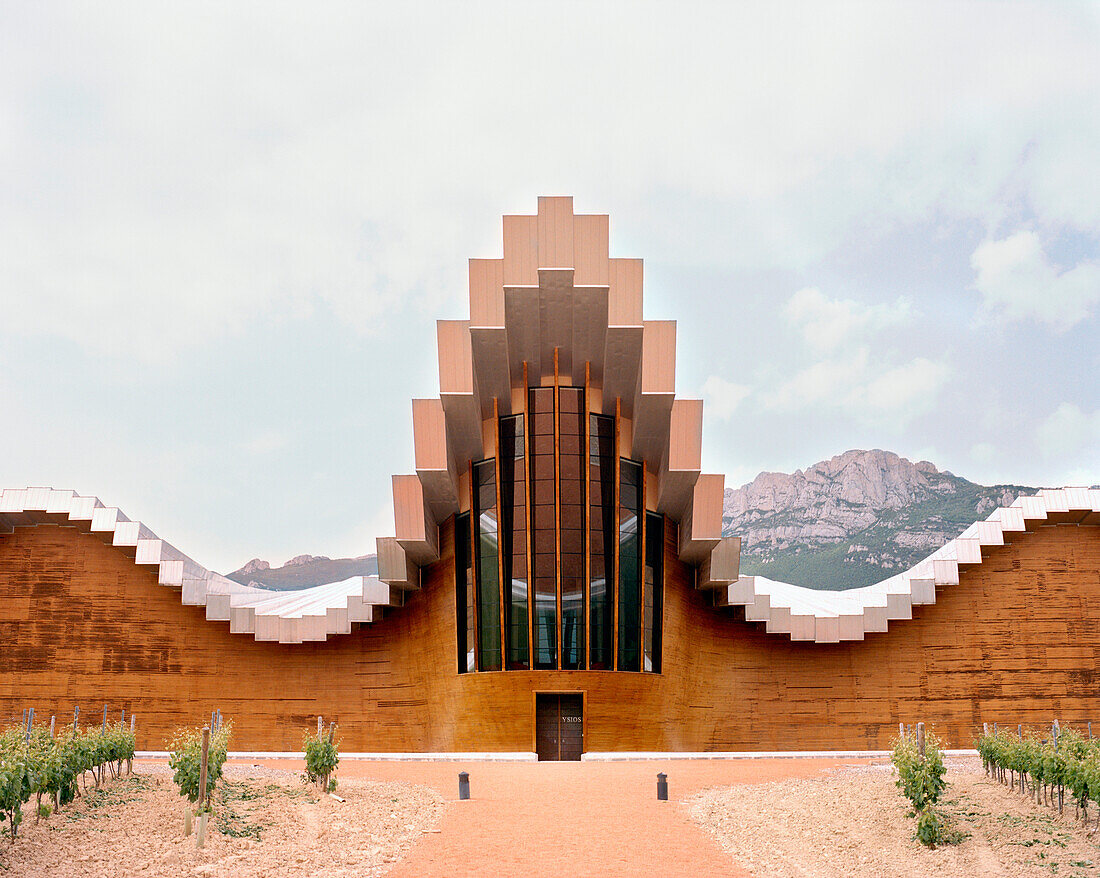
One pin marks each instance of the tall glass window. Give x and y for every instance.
(488, 579)
(543, 526)
(571, 482)
(652, 592)
(557, 564)
(464, 594)
(630, 565)
(601, 539)
(513, 528)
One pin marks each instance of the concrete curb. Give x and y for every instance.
(595, 756)
(371, 757)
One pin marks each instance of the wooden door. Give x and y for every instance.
(571, 736)
(559, 726)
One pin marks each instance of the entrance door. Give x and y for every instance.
(559, 726)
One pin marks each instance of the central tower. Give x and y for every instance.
(558, 446)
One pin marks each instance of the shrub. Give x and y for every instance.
(322, 756)
(186, 762)
(920, 778)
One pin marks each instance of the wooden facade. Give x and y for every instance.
(1016, 641)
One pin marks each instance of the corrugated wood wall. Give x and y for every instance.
(1017, 641)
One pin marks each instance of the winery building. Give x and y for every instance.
(558, 583)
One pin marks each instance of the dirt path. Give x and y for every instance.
(574, 818)
(855, 822)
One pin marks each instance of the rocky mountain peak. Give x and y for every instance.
(299, 560)
(872, 513)
(254, 566)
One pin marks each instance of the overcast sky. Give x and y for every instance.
(226, 235)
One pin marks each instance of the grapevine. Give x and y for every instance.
(920, 778)
(322, 756)
(33, 763)
(1046, 768)
(186, 762)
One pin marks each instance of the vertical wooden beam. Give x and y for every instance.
(558, 628)
(500, 539)
(473, 567)
(585, 588)
(528, 512)
(641, 571)
(615, 571)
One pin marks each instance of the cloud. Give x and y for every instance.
(265, 443)
(906, 390)
(827, 323)
(865, 389)
(1017, 282)
(983, 452)
(828, 382)
(171, 178)
(1069, 432)
(857, 372)
(723, 397)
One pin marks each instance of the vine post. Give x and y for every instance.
(920, 739)
(76, 716)
(200, 837)
(130, 762)
(53, 719)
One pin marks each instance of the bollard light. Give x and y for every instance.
(662, 787)
(463, 785)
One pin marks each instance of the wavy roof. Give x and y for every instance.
(287, 617)
(824, 616)
(312, 614)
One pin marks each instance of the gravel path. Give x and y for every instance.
(267, 823)
(854, 821)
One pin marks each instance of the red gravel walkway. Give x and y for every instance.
(573, 818)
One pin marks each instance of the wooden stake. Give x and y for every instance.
(202, 769)
(104, 717)
(320, 727)
(133, 718)
(901, 730)
(985, 729)
(53, 719)
(920, 739)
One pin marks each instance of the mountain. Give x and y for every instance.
(303, 571)
(854, 519)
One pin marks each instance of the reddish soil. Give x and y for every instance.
(574, 818)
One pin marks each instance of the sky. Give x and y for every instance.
(227, 230)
